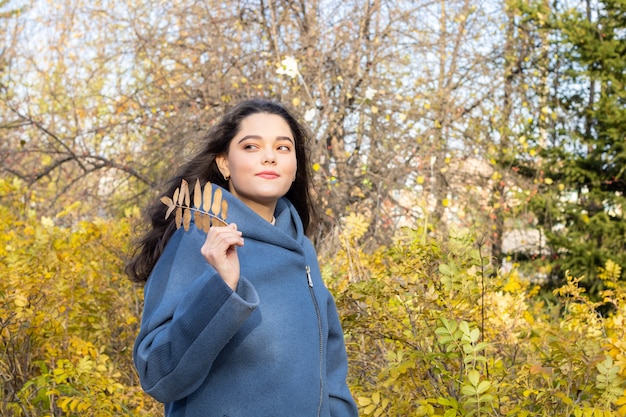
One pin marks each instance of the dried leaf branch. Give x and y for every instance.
(209, 208)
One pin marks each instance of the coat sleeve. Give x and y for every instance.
(189, 315)
(341, 402)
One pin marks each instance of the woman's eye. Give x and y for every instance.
(284, 148)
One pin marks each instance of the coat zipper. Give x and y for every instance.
(319, 328)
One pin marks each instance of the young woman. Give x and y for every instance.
(237, 321)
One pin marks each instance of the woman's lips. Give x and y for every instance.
(268, 175)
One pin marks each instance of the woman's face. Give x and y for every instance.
(261, 161)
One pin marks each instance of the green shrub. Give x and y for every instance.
(433, 331)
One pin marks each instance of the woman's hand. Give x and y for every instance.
(220, 251)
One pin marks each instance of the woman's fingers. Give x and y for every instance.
(219, 250)
(219, 238)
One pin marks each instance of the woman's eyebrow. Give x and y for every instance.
(247, 137)
(284, 138)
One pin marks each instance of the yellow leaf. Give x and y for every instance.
(186, 219)
(376, 397)
(420, 179)
(224, 209)
(217, 201)
(363, 401)
(47, 222)
(536, 369)
(529, 318)
(205, 222)
(69, 209)
(184, 198)
(197, 194)
(208, 193)
(170, 205)
(20, 301)
(74, 403)
(179, 217)
(62, 403)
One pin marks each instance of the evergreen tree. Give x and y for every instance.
(581, 204)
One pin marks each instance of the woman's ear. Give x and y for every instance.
(222, 165)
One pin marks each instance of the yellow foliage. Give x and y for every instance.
(431, 327)
(354, 227)
(68, 317)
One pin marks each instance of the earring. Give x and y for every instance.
(227, 177)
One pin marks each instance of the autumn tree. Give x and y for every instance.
(518, 109)
(71, 132)
(9, 31)
(113, 98)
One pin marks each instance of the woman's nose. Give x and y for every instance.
(269, 157)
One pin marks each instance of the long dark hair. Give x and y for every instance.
(202, 166)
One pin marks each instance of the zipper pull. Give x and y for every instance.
(308, 276)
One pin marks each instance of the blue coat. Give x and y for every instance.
(274, 347)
